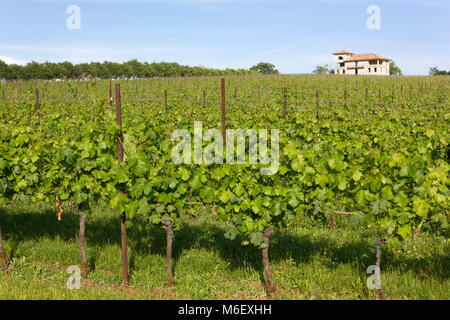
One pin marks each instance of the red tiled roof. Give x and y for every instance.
(342, 52)
(366, 56)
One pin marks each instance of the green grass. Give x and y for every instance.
(308, 261)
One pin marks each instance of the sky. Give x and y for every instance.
(295, 35)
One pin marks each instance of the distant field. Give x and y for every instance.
(359, 159)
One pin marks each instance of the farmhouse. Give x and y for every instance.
(363, 64)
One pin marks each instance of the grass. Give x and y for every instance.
(308, 261)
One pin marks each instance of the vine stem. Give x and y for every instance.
(169, 232)
(2, 252)
(271, 288)
(377, 274)
(82, 245)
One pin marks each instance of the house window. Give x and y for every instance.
(341, 64)
(375, 70)
(343, 71)
(341, 58)
(369, 69)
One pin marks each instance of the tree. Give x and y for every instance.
(4, 70)
(264, 68)
(322, 69)
(434, 71)
(394, 69)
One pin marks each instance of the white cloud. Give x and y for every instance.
(83, 53)
(92, 49)
(264, 53)
(10, 60)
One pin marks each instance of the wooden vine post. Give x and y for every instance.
(165, 100)
(285, 103)
(168, 225)
(317, 104)
(204, 98)
(271, 287)
(82, 245)
(378, 245)
(223, 112)
(37, 103)
(3, 256)
(110, 93)
(393, 94)
(120, 158)
(379, 96)
(15, 97)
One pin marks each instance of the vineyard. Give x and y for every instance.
(363, 170)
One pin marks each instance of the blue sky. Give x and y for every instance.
(295, 35)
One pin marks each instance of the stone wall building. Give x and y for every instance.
(363, 64)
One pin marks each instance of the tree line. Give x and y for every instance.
(434, 71)
(106, 70)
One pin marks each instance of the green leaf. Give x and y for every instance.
(379, 206)
(429, 133)
(386, 193)
(404, 171)
(225, 196)
(144, 209)
(239, 190)
(155, 219)
(342, 185)
(336, 163)
(119, 203)
(131, 208)
(357, 176)
(404, 231)
(257, 238)
(232, 233)
(184, 173)
(297, 165)
(293, 201)
(140, 169)
(172, 182)
(420, 207)
(128, 224)
(3, 164)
